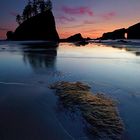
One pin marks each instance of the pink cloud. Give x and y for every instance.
(77, 10)
(75, 26)
(64, 19)
(109, 15)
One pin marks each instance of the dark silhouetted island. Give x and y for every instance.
(36, 25)
(117, 34)
(133, 32)
(76, 37)
(73, 38)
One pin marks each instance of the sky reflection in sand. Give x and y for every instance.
(25, 76)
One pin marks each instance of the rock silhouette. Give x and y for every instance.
(76, 37)
(117, 34)
(133, 32)
(10, 35)
(39, 27)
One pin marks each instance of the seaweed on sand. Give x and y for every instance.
(99, 111)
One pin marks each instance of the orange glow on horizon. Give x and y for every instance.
(3, 35)
(94, 31)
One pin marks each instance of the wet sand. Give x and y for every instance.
(26, 112)
(29, 109)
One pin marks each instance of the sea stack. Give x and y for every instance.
(133, 32)
(40, 26)
(76, 37)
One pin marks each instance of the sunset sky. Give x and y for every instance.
(90, 17)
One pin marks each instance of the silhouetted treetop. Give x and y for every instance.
(18, 19)
(33, 8)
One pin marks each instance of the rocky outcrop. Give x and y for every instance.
(133, 32)
(39, 27)
(117, 34)
(76, 37)
(10, 35)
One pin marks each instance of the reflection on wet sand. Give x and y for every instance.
(41, 59)
(81, 43)
(27, 111)
(136, 51)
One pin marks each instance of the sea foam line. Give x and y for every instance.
(12, 83)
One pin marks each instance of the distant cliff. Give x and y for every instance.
(39, 27)
(133, 32)
(117, 34)
(76, 37)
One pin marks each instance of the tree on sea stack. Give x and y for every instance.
(27, 12)
(33, 8)
(19, 19)
(48, 5)
(44, 6)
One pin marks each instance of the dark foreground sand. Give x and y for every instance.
(26, 113)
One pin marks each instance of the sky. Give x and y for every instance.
(91, 18)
